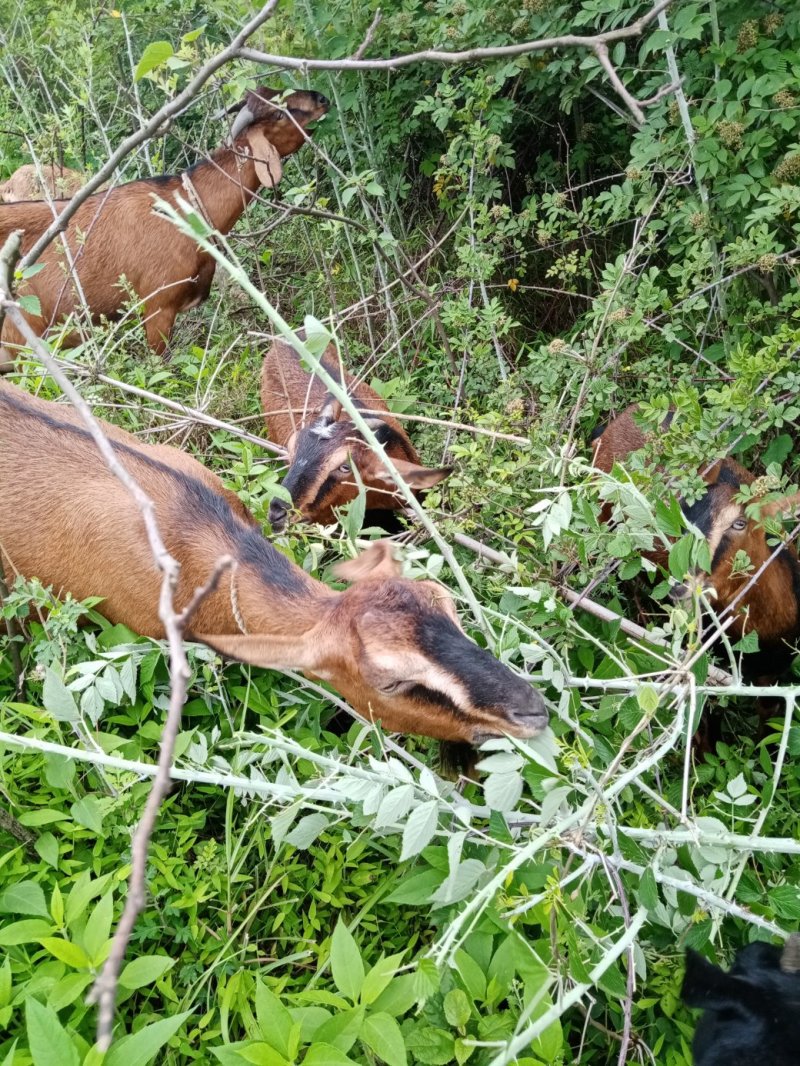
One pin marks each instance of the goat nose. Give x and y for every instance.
(277, 515)
(678, 592)
(528, 711)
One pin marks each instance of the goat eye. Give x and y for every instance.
(392, 688)
(739, 524)
(345, 468)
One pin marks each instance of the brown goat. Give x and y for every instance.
(771, 607)
(115, 234)
(25, 183)
(390, 646)
(323, 444)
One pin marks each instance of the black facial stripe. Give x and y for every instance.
(436, 698)
(701, 513)
(327, 486)
(487, 681)
(722, 548)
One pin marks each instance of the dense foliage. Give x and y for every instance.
(318, 893)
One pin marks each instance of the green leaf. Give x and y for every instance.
(156, 53)
(430, 1045)
(47, 849)
(786, 901)
(57, 698)
(325, 1055)
(346, 965)
(274, 1020)
(648, 890)
(503, 791)
(49, 1042)
(98, 928)
(417, 889)
(66, 951)
(307, 830)
(342, 1030)
(26, 897)
(647, 698)
(141, 1047)
(419, 829)
(30, 304)
(88, 813)
(379, 977)
(261, 1054)
(381, 1034)
(457, 1008)
(26, 932)
(5, 983)
(144, 970)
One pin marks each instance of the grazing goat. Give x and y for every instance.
(752, 1013)
(771, 606)
(323, 444)
(25, 184)
(392, 647)
(115, 234)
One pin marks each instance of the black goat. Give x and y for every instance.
(752, 1012)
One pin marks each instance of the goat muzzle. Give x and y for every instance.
(278, 512)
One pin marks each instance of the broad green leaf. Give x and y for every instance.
(419, 829)
(156, 53)
(418, 889)
(274, 1020)
(144, 970)
(47, 849)
(5, 983)
(26, 897)
(325, 1055)
(141, 1047)
(307, 830)
(398, 997)
(503, 791)
(261, 1054)
(68, 989)
(25, 932)
(82, 893)
(379, 977)
(49, 1042)
(98, 928)
(647, 698)
(342, 1030)
(57, 698)
(88, 812)
(66, 951)
(430, 1045)
(381, 1034)
(346, 965)
(457, 1008)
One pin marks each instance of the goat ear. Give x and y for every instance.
(266, 158)
(329, 412)
(272, 652)
(377, 563)
(418, 477)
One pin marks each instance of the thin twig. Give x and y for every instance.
(597, 43)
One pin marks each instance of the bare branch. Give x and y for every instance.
(370, 37)
(597, 43)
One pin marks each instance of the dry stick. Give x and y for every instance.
(16, 829)
(157, 124)
(104, 990)
(182, 408)
(597, 43)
